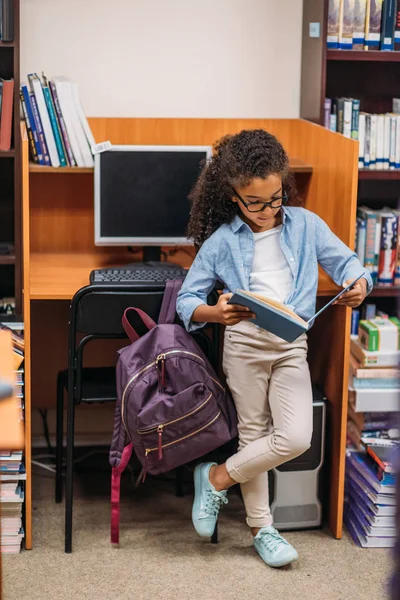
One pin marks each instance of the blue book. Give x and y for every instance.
(277, 318)
(362, 464)
(54, 123)
(39, 128)
(388, 24)
(32, 123)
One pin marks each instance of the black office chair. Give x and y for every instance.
(96, 312)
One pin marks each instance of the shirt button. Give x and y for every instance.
(291, 259)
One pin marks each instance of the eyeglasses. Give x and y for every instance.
(260, 206)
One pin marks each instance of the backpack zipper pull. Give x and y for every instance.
(145, 466)
(161, 372)
(160, 440)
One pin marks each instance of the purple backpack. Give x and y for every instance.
(171, 407)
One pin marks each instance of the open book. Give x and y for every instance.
(276, 317)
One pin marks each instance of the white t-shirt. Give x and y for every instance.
(270, 274)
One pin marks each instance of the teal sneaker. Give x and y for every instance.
(273, 548)
(207, 501)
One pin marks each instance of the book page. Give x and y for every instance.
(275, 304)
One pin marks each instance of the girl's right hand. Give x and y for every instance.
(231, 314)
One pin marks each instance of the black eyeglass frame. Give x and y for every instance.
(284, 198)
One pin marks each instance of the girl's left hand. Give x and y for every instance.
(355, 296)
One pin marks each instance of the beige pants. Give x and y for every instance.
(270, 383)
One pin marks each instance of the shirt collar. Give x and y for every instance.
(237, 223)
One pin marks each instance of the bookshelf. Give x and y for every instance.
(371, 76)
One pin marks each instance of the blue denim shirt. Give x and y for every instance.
(306, 240)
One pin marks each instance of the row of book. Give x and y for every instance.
(377, 243)
(6, 20)
(12, 468)
(378, 134)
(364, 25)
(58, 131)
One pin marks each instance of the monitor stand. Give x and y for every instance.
(152, 258)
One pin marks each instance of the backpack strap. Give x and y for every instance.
(168, 307)
(115, 492)
(129, 330)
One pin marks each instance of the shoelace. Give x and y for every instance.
(214, 502)
(272, 540)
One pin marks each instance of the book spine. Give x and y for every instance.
(327, 112)
(334, 19)
(392, 155)
(29, 112)
(64, 132)
(39, 129)
(54, 126)
(388, 24)
(347, 117)
(347, 28)
(397, 27)
(367, 142)
(6, 117)
(340, 114)
(373, 146)
(359, 25)
(361, 140)
(387, 256)
(386, 142)
(397, 266)
(32, 145)
(397, 145)
(355, 118)
(369, 260)
(373, 24)
(361, 239)
(333, 117)
(378, 228)
(37, 89)
(380, 132)
(7, 20)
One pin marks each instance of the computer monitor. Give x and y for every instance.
(141, 195)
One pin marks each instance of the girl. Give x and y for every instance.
(248, 238)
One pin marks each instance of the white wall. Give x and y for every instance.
(169, 58)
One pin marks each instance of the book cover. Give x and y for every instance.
(340, 114)
(355, 118)
(335, 10)
(374, 141)
(397, 27)
(360, 462)
(386, 142)
(347, 117)
(359, 24)
(367, 142)
(32, 146)
(382, 503)
(347, 28)
(370, 218)
(374, 359)
(37, 90)
(6, 114)
(388, 249)
(361, 239)
(65, 105)
(327, 112)
(54, 122)
(39, 128)
(29, 116)
(388, 24)
(66, 141)
(373, 24)
(361, 140)
(368, 509)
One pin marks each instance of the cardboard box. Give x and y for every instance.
(379, 334)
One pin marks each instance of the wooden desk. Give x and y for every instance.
(59, 251)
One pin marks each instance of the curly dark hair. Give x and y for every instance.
(237, 159)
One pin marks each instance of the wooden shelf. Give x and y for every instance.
(363, 56)
(33, 168)
(296, 166)
(7, 153)
(7, 44)
(385, 292)
(7, 259)
(376, 175)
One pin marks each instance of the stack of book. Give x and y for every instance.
(377, 244)
(378, 134)
(370, 500)
(364, 25)
(12, 469)
(58, 131)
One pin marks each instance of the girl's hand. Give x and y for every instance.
(355, 296)
(230, 314)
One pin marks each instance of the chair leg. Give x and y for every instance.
(179, 490)
(70, 471)
(214, 537)
(59, 437)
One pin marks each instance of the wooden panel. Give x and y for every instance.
(27, 334)
(312, 94)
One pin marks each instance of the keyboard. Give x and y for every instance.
(145, 275)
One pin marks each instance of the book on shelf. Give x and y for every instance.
(7, 20)
(6, 113)
(363, 25)
(382, 453)
(58, 131)
(372, 399)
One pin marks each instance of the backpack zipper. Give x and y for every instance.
(185, 437)
(155, 362)
(161, 427)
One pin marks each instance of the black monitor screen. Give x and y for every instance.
(144, 194)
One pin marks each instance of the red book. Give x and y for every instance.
(6, 115)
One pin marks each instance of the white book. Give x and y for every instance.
(373, 144)
(64, 101)
(367, 142)
(347, 113)
(386, 142)
(396, 105)
(392, 155)
(82, 117)
(380, 128)
(36, 86)
(77, 125)
(397, 152)
(375, 400)
(361, 140)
